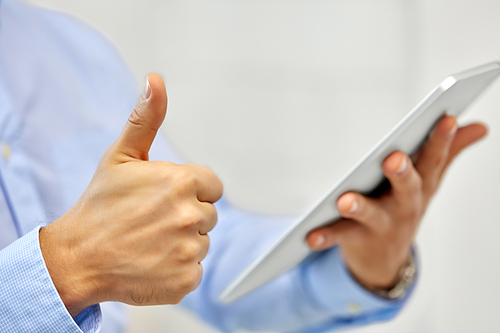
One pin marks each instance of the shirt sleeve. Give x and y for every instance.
(317, 296)
(30, 301)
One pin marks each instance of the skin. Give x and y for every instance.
(376, 234)
(148, 220)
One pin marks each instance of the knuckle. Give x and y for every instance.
(160, 171)
(212, 217)
(210, 176)
(220, 185)
(136, 118)
(166, 165)
(184, 176)
(189, 251)
(191, 217)
(190, 279)
(218, 188)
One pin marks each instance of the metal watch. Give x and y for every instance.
(406, 278)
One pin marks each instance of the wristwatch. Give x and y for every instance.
(406, 277)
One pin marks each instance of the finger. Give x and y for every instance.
(465, 137)
(406, 183)
(432, 159)
(337, 233)
(364, 210)
(194, 276)
(204, 247)
(208, 186)
(140, 130)
(210, 217)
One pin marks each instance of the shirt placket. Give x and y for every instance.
(10, 230)
(20, 207)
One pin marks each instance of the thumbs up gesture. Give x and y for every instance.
(139, 232)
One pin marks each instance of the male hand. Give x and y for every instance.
(376, 234)
(139, 232)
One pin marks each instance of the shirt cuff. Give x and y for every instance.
(334, 288)
(30, 301)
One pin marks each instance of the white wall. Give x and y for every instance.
(281, 97)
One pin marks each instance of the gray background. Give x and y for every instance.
(281, 97)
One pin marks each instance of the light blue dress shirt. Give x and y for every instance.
(65, 94)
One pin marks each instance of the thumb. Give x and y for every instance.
(146, 118)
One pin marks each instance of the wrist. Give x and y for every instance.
(399, 286)
(76, 289)
(406, 278)
(377, 271)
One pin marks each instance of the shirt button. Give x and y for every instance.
(6, 151)
(354, 308)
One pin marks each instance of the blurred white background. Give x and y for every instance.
(282, 97)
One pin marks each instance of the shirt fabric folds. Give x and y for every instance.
(65, 95)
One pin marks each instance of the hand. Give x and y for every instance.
(376, 234)
(139, 232)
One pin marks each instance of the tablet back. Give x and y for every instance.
(451, 97)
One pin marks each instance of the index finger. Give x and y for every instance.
(433, 156)
(208, 186)
(465, 137)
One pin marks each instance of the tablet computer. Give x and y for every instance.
(451, 97)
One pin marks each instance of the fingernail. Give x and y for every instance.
(320, 240)
(146, 91)
(453, 130)
(354, 207)
(344, 206)
(402, 166)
